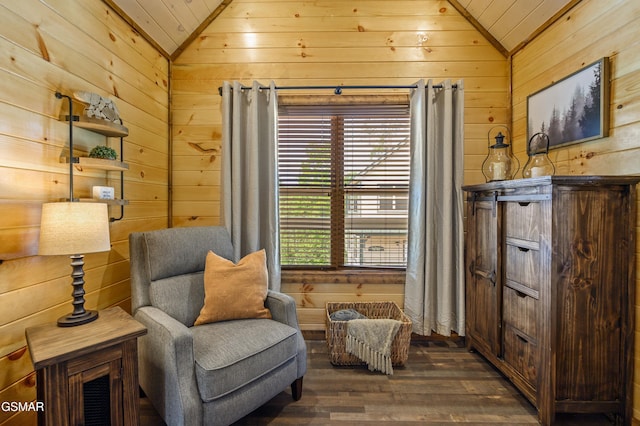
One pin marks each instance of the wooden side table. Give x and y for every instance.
(88, 371)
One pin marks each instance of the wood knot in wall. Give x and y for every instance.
(17, 354)
(30, 380)
(199, 148)
(42, 45)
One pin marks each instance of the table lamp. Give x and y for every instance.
(74, 228)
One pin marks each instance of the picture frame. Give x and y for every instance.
(572, 110)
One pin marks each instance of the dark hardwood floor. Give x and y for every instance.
(442, 383)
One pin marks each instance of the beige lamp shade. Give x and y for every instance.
(74, 228)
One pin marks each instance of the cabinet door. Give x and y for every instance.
(592, 285)
(483, 304)
(95, 388)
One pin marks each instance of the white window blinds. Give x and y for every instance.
(344, 180)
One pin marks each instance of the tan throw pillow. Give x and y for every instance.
(234, 291)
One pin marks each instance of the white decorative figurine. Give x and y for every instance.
(97, 106)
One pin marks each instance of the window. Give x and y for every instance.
(344, 181)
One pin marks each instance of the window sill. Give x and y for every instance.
(343, 276)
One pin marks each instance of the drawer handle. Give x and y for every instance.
(521, 294)
(523, 249)
(524, 203)
(522, 339)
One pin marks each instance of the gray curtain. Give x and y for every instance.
(434, 291)
(249, 187)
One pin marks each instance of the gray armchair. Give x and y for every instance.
(211, 374)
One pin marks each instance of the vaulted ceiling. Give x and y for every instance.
(172, 24)
(512, 22)
(169, 24)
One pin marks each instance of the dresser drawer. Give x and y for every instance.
(522, 265)
(520, 310)
(522, 220)
(521, 352)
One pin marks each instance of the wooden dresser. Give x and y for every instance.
(550, 280)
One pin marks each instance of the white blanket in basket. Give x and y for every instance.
(370, 340)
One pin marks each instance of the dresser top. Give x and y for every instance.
(554, 180)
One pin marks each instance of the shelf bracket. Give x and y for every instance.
(71, 157)
(114, 219)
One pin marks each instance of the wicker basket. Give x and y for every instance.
(336, 331)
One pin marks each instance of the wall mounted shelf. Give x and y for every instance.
(82, 163)
(97, 125)
(108, 129)
(115, 202)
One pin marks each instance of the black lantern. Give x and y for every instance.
(538, 163)
(500, 164)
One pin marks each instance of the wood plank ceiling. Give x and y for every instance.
(512, 22)
(169, 24)
(172, 24)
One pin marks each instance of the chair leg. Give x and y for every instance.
(296, 389)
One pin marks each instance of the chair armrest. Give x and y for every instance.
(166, 365)
(283, 308)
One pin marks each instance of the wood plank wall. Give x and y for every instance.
(65, 45)
(69, 45)
(591, 30)
(325, 42)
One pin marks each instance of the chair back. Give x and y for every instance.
(167, 268)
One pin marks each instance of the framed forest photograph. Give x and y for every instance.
(574, 109)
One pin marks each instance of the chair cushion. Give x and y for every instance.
(181, 296)
(225, 362)
(234, 291)
(179, 251)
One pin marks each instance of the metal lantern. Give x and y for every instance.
(538, 163)
(500, 164)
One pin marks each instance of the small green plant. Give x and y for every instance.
(105, 152)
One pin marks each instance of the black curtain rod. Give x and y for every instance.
(337, 90)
